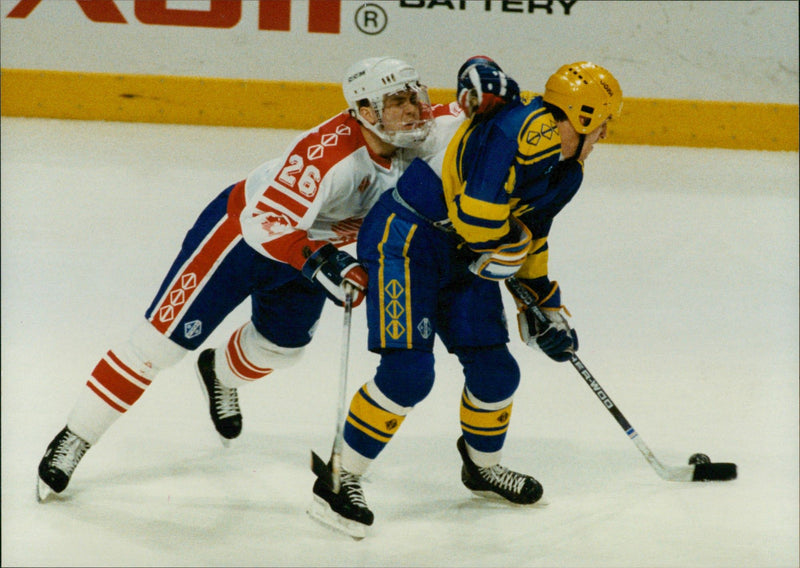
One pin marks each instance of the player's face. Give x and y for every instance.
(401, 111)
(599, 133)
(570, 139)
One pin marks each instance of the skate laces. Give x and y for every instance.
(68, 452)
(226, 400)
(503, 478)
(352, 487)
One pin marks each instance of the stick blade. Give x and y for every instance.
(321, 469)
(714, 472)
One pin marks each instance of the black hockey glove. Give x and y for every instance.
(333, 269)
(555, 338)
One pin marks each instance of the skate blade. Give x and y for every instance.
(492, 496)
(320, 511)
(43, 491)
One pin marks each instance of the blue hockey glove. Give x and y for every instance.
(555, 338)
(504, 260)
(333, 269)
(483, 86)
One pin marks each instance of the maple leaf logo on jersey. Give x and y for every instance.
(347, 229)
(275, 224)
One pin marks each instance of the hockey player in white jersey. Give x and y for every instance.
(274, 237)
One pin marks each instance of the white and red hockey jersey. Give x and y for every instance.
(323, 186)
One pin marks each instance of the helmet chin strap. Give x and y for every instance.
(578, 150)
(397, 138)
(376, 129)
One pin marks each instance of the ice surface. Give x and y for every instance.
(680, 267)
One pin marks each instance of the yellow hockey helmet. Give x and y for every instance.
(587, 93)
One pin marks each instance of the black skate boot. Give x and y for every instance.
(345, 511)
(223, 402)
(498, 480)
(59, 462)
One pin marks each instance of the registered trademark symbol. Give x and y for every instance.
(371, 19)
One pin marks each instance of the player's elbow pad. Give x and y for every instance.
(504, 261)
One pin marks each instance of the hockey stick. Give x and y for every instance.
(700, 467)
(331, 475)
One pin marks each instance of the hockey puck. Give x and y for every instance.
(699, 458)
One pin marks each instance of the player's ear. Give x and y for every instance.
(367, 113)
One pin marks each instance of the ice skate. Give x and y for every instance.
(345, 511)
(59, 462)
(497, 481)
(223, 402)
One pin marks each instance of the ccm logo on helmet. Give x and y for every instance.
(355, 76)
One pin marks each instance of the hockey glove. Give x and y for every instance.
(333, 269)
(504, 261)
(484, 87)
(554, 338)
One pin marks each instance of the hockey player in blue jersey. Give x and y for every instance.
(435, 249)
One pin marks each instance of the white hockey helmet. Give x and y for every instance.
(370, 81)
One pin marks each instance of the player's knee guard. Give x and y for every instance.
(491, 378)
(250, 356)
(405, 376)
(377, 410)
(491, 374)
(154, 350)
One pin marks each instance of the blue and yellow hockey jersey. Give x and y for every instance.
(509, 164)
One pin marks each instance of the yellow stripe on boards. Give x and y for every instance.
(301, 105)
(168, 99)
(707, 124)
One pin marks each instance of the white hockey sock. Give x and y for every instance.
(91, 415)
(354, 462)
(248, 356)
(119, 379)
